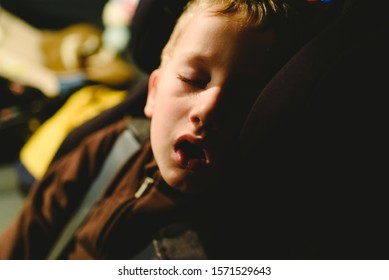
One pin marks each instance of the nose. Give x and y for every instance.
(204, 112)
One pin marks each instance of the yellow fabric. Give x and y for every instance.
(82, 105)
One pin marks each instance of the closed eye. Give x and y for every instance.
(192, 82)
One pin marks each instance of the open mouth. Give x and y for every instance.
(191, 153)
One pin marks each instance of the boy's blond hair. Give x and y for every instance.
(257, 14)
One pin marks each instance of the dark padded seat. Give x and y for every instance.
(313, 149)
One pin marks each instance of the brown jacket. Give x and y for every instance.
(118, 227)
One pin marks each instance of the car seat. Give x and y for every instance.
(312, 176)
(311, 154)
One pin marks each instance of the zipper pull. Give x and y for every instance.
(146, 183)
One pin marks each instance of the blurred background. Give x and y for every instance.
(62, 62)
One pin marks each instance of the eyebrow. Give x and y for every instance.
(196, 58)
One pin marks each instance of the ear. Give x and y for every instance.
(152, 93)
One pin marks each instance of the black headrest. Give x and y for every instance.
(151, 27)
(313, 136)
(154, 21)
(306, 72)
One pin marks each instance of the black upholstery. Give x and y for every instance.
(150, 30)
(313, 173)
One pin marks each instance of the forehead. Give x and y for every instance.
(223, 41)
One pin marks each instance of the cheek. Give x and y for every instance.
(164, 117)
(170, 107)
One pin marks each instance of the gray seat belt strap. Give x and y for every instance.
(124, 147)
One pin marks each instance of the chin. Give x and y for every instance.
(186, 180)
(175, 179)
